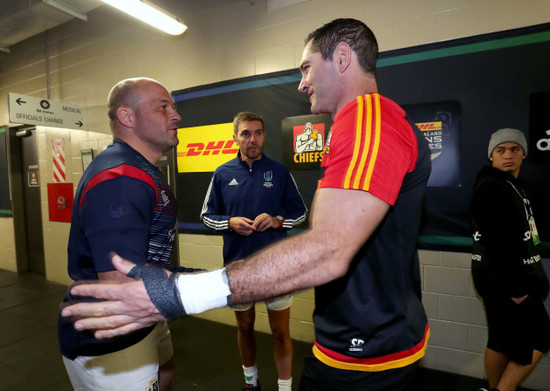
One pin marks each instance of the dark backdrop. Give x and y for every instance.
(499, 80)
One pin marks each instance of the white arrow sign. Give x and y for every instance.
(30, 110)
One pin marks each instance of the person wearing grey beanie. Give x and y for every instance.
(506, 265)
(507, 135)
(504, 141)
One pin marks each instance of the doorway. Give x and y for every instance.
(27, 210)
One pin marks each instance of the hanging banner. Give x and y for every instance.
(205, 148)
(58, 160)
(304, 138)
(439, 123)
(539, 128)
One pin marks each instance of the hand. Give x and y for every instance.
(264, 222)
(242, 225)
(127, 306)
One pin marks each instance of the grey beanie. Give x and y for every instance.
(507, 135)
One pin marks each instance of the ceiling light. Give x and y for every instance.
(150, 14)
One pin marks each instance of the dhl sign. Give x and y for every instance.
(204, 148)
(427, 126)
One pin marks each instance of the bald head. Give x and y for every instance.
(126, 93)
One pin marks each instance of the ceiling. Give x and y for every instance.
(21, 19)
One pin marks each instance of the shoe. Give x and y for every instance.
(250, 387)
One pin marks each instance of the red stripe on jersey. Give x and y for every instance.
(372, 147)
(390, 361)
(115, 172)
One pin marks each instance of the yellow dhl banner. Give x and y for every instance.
(204, 148)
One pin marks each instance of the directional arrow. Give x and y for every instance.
(19, 101)
(79, 123)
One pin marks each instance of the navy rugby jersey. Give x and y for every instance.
(122, 204)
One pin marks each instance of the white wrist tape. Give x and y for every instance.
(200, 292)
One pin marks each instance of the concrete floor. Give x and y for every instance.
(206, 352)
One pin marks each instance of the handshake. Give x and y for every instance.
(159, 294)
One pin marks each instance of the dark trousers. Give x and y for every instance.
(320, 377)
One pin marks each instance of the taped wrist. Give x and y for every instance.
(200, 292)
(162, 289)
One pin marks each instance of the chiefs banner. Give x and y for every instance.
(304, 138)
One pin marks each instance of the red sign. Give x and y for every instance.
(60, 201)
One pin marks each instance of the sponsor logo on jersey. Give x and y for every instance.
(356, 345)
(153, 385)
(268, 177)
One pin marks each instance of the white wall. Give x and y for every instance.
(233, 38)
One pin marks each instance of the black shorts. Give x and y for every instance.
(517, 329)
(318, 376)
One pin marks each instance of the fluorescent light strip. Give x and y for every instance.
(150, 14)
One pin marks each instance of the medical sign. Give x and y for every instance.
(205, 148)
(304, 138)
(30, 110)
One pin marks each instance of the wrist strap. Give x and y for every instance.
(201, 292)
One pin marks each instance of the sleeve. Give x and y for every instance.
(116, 216)
(212, 207)
(501, 225)
(295, 208)
(371, 150)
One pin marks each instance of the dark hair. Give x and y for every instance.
(351, 31)
(245, 116)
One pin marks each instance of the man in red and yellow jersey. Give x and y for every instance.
(359, 253)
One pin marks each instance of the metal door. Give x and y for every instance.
(31, 206)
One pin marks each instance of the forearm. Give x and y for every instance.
(298, 262)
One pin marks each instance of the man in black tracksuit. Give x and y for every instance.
(506, 265)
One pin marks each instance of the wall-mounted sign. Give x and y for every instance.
(33, 176)
(60, 202)
(304, 138)
(30, 110)
(205, 148)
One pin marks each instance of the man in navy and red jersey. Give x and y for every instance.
(359, 253)
(124, 204)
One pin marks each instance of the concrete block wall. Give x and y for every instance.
(56, 234)
(230, 39)
(457, 318)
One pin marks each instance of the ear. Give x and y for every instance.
(342, 56)
(126, 116)
(235, 139)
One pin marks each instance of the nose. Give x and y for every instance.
(175, 115)
(303, 86)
